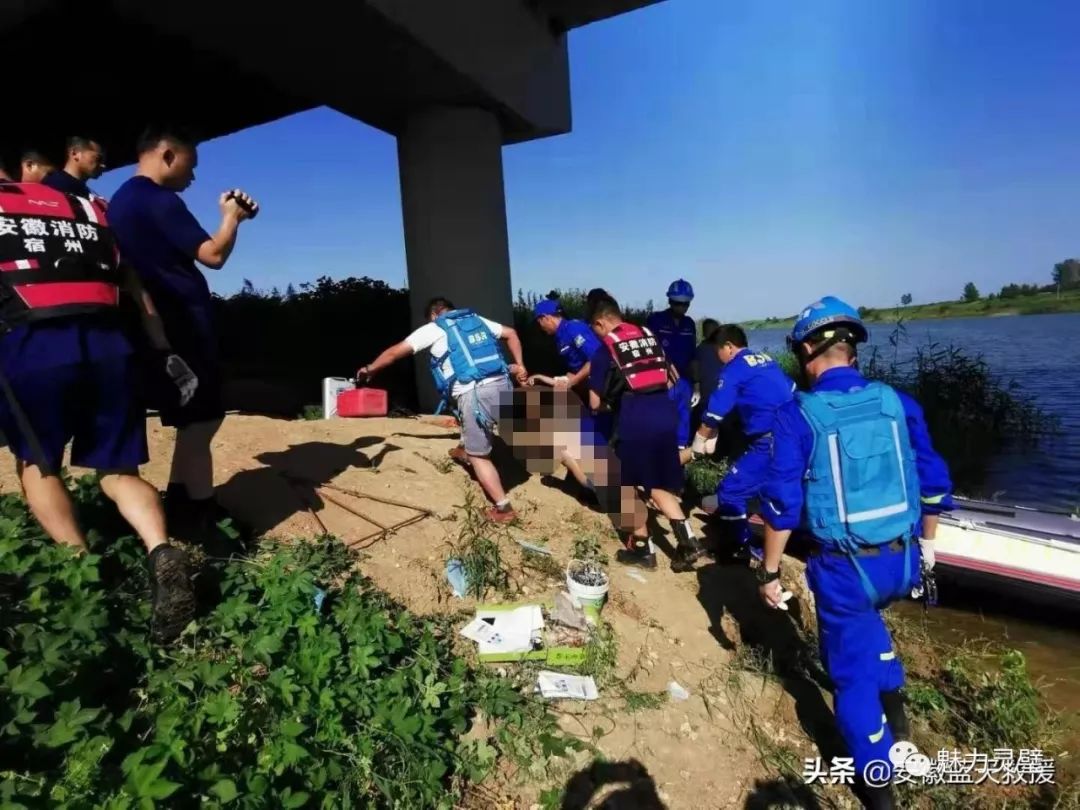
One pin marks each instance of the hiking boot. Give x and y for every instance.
(688, 549)
(637, 551)
(686, 558)
(171, 594)
(502, 514)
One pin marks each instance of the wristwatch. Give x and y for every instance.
(765, 577)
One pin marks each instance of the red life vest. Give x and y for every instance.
(639, 358)
(58, 256)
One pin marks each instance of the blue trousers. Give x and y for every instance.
(681, 394)
(855, 645)
(742, 483)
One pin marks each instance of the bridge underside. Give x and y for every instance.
(453, 82)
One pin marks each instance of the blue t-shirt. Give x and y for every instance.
(632, 414)
(754, 385)
(678, 337)
(708, 369)
(62, 181)
(576, 343)
(793, 443)
(160, 238)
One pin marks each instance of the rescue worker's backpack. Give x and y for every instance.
(58, 257)
(639, 358)
(472, 349)
(862, 486)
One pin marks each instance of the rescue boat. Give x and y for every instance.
(1018, 551)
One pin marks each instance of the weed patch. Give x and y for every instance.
(302, 687)
(479, 551)
(589, 548)
(703, 475)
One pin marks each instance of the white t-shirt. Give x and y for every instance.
(431, 336)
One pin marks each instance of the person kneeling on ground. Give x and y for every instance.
(69, 375)
(753, 385)
(629, 376)
(467, 363)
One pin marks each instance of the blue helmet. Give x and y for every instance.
(827, 312)
(680, 291)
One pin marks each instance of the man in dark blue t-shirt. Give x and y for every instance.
(85, 161)
(161, 239)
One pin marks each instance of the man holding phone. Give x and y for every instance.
(162, 240)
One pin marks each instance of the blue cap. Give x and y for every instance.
(548, 306)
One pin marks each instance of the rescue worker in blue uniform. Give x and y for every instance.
(678, 337)
(577, 344)
(753, 385)
(852, 463)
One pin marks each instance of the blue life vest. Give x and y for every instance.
(862, 486)
(472, 349)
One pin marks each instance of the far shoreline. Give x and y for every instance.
(1040, 304)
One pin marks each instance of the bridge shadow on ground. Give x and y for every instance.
(265, 497)
(773, 641)
(636, 791)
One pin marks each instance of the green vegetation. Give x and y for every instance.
(977, 696)
(1005, 303)
(302, 687)
(703, 475)
(478, 549)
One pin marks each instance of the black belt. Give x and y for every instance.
(865, 551)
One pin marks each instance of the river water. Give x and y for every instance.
(1041, 354)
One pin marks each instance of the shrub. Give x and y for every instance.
(302, 687)
(971, 412)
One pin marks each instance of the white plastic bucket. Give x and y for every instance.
(589, 597)
(331, 387)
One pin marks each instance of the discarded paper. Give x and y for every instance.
(560, 685)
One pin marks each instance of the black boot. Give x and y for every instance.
(688, 550)
(893, 704)
(637, 551)
(171, 594)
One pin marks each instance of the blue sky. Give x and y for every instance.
(768, 151)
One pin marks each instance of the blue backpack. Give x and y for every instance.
(862, 485)
(472, 348)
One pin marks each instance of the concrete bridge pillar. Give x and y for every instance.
(454, 211)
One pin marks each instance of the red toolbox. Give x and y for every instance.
(362, 402)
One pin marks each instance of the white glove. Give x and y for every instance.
(695, 398)
(926, 546)
(182, 376)
(703, 446)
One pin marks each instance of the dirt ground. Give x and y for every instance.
(718, 749)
